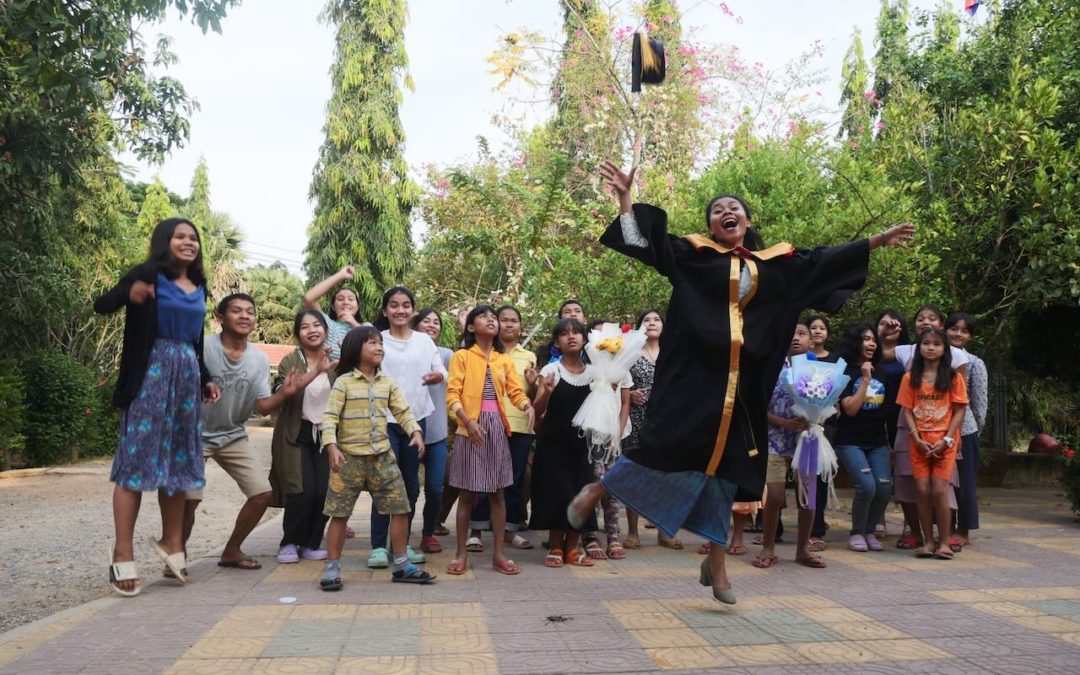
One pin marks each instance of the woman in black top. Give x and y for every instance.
(862, 441)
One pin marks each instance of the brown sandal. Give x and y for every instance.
(576, 556)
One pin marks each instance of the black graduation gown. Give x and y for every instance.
(719, 356)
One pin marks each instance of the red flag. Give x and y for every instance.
(971, 6)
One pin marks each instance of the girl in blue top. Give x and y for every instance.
(161, 385)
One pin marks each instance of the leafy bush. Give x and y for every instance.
(12, 410)
(103, 422)
(59, 400)
(1070, 477)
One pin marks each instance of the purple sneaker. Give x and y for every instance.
(287, 554)
(873, 544)
(313, 554)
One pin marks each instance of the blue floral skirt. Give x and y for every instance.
(687, 500)
(160, 446)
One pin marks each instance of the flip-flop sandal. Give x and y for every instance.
(615, 551)
(573, 516)
(632, 543)
(520, 542)
(595, 551)
(578, 557)
(456, 568)
(245, 563)
(413, 575)
(943, 554)
(764, 562)
(474, 545)
(736, 550)
(123, 571)
(174, 561)
(816, 545)
(669, 542)
(704, 549)
(554, 558)
(350, 533)
(924, 553)
(955, 545)
(506, 567)
(813, 562)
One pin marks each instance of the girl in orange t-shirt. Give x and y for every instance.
(934, 398)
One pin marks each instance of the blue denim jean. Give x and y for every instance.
(434, 474)
(520, 444)
(869, 471)
(408, 461)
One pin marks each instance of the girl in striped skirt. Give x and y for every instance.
(480, 376)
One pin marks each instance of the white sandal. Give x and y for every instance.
(123, 571)
(174, 561)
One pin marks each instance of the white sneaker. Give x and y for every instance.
(313, 554)
(287, 554)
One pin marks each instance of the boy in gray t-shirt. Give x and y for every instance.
(243, 374)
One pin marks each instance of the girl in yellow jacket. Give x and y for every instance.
(480, 376)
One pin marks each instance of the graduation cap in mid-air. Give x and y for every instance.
(647, 63)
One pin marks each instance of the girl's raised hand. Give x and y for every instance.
(325, 363)
(139, 292)
(898, 235)
(530, 375)
(867, 370)
(347, 272)
(619, 180)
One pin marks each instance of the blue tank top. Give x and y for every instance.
(180, 314)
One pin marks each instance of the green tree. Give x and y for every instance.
(890, 61)
(361, 188)
(278, 296)
(858, 102)
(221, 237)
(156, 207)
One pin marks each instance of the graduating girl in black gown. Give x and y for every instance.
(733, 309)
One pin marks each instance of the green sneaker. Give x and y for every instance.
(415, 557)
(379, 559)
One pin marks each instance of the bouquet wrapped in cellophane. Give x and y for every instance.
(611, 354)
(816, 387)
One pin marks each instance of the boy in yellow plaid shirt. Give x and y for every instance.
(354, 432)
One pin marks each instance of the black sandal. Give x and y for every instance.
(412, 576)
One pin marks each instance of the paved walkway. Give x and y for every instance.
(1008, 604)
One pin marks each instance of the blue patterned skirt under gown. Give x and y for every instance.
(688, 500)
(160, 446)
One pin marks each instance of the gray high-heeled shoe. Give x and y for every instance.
(724, 595)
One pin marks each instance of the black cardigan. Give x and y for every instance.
(140, 331)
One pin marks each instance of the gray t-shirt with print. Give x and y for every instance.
(242, 383)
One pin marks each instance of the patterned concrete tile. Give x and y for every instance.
(772, 617)
(731, 635)
(762, 655)
(794, 632)
(294, 666)
(1046, 624)
(227, 648)
(305, 612)
(235, 628)
(315, 628)
(1064, 608)
(685, 658)
(386, 643)
(458, 664)
(833, 652)
(304, 645)
(866, 630)
(650, 620)
(668, 637)
(903, 650)
(378, 665)
(456, 644)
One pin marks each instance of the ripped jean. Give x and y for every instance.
(869, 471)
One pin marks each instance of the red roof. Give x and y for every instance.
(274, 352)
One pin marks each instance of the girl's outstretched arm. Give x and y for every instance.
(894, 236)
(316, 292)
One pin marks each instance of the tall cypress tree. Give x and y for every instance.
(362, 192)
(854, 76)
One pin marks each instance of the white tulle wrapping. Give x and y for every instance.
(598, 417)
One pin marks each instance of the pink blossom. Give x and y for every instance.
(652, 26)
(854, 143)
(703, 98)
(792, 127)
(725, 9)
(686, 50)
(871, 95)
(667, 18)
(880, 125)
(670, 181)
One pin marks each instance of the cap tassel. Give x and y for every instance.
(650, 62)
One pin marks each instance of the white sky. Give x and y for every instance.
(263, 86)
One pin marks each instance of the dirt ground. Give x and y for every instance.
(56, 530)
